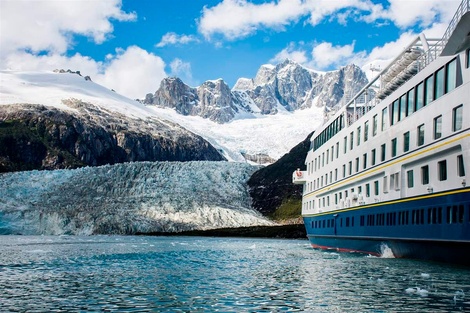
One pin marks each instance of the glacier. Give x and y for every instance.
(128, 198)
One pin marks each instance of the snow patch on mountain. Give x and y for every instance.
(128, 198)
(248, 132)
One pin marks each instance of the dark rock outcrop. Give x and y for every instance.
(39, 137)
(271, 186)
(212, 100)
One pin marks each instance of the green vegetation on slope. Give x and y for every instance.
(272, 190)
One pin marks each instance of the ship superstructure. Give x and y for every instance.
(392, 166)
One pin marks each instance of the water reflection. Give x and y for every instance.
(169, 274)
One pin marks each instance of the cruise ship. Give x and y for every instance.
(390, 170)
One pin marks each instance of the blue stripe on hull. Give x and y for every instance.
(436, 228)
(451, 252)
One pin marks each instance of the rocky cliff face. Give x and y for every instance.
(39, 137)
(271, 187)
(288, 86)
(212, 100)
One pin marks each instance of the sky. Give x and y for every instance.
(131, 45)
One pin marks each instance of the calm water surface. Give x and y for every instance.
(195, 274)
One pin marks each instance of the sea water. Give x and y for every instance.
(199, 274)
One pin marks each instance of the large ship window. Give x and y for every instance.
(420, 135)
(425, 175)
(366, 131)
(374, 125)
(395, 181)
(442, 168)
(438, 127)
(336, 174)
(337, 150)
(332, 153)
(364, 161)
(429, 90)
(357, 165)
(419, 96)
(372, 156)
(411, 101)
(409, 179)
(351, 140)
(403, 108)
(451, 75)
(460, 166)
(467, 57)
(376, 187)
(358, 135)
(439, 83)
(344, 170)
(457, 118)
(395, 108)
(345, 144)
(350, 167)
(394, 147)
(385, 184)
(382, 153)
(385, 121)
(367, 190)
(406, 141)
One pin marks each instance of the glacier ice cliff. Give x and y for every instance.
(128, 198)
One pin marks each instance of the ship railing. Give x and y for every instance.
(431, 52)
(435, 50)
(359, 109)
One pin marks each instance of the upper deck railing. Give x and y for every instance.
(367, 98)
(435, 51)
(391, 78)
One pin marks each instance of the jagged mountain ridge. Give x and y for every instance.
(286, 86)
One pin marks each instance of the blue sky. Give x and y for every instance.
(131, 45)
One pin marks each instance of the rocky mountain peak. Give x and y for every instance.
(287, 85)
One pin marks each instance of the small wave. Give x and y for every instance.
(386, 252)
(39, 251)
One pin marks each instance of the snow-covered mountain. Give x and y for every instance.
(62, 120)
(259, 120)
(287, 86)
(128, 198)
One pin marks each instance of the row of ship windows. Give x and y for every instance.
(433, 87)
(393, 183)
(457, 122)
(454, 214)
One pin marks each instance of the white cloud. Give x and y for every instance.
(48, 25)
(173, 39)
(406, 13)
(182, 70)
(234, 19)
(239, 18)
(35, 35)
(133, 72)
(292, 53)
(325, 55)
